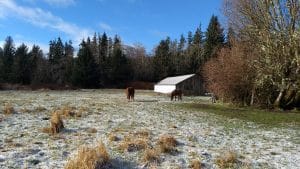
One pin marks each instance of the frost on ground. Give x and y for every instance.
(107, 116)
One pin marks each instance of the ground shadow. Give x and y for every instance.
(119, 163)
(146, 100)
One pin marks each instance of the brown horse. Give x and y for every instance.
(130, 93)
(177, 93)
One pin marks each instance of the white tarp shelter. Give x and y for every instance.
(169, 84)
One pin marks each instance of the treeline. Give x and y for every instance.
(261, 66)
(99, 62)
(102, 61)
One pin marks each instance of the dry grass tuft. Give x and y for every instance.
(40, 109)
(92, 130)
(103, 152)
(47, 130)
(195, 164)
(131, 143)
(167, 143)
(8, 109)
(25, 110)
(56, 122)
(227, 160)
(113, 137)
(67, 111)
(90, 158)
(151, 156)
(142, 134)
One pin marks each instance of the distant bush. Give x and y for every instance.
(229, 75)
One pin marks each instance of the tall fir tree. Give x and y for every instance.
(58, 61)
(103, 61)
(39, 72)
(161, 60)
(181, 57)
(68, 61)
(181, 45)
(190, 38)
(94, 48)
(196, 52)
(214, 38)
(8, 60)
(103, 48)
(21, 67)
(85, 72)
(56, 51)
(120, 71)
(1, 65)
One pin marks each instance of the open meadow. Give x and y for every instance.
(151, 132)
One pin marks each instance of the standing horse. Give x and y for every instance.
(130, 93)
(177, 93)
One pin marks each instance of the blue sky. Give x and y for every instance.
(136, 21)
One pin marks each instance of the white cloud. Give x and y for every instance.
(56, 3)
(44, 19)
(62, 3)
(105, 27)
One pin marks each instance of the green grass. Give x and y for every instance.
(259, 116)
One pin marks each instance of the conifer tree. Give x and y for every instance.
(68, 61)
(21, 67)
(119, 63)
(190, 38)
(1, 65)
(161, 60)
(8, 59)
(181, 45)
(39, 72)
(103, 48)
(85, 72)
(214, 38)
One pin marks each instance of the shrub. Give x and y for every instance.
(8, 109)
(195, 164)
(90, 158)
(67, 111)
(229, 75)
(56, 122)
(167, 143)
(227, 160)
(131, 143)
(151, 156)
(113, 137)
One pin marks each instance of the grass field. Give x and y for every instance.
(101, 126)
(268, 118)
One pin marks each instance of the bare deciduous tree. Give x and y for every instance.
(272, 28)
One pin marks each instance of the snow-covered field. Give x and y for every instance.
(200, 135)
